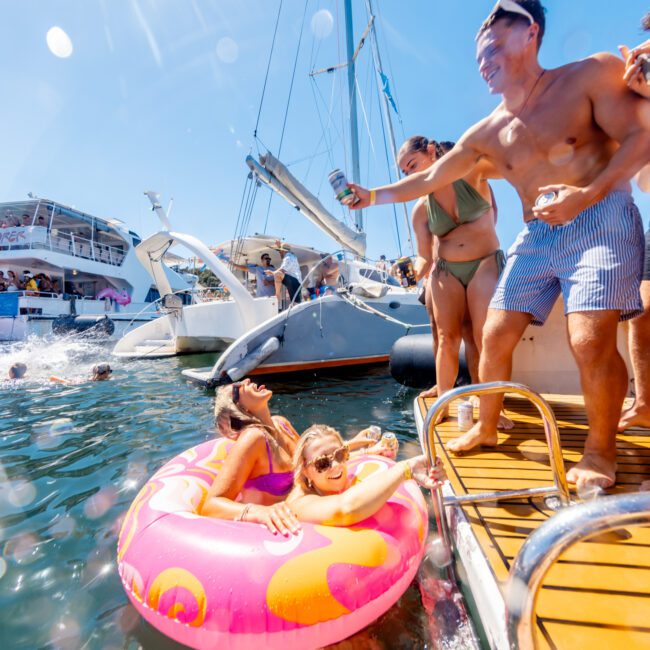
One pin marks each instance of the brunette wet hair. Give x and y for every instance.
(645, 23)
(230, 419)
(420, 144)
(314, 432)
(533, 7)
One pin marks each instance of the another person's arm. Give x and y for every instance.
(454, 165)
(363, 499)
(423, 240)
(634, 76)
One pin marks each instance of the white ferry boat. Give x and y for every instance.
(86, 275)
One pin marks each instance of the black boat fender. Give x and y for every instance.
(412, 362)
(87, 325)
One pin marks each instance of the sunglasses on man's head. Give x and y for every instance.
(324, 462)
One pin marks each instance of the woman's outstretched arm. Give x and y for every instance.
(363, 499)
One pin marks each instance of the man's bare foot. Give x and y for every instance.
(473, 438)
(593, 471)
(442, 416)
(645, 486)
(430, 392)
(635, 416)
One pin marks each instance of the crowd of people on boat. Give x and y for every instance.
(569, 140)
(31, 283)
(24, 220)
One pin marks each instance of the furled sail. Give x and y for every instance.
(277, 176)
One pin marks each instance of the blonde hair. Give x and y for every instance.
(314, 432)
(229, 418)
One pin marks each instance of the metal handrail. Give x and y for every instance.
(560, 486)
(543, 547)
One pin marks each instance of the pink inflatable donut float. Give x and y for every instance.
(212, 583)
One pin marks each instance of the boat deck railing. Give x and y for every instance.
(37, 237)
(560, 486)
(543, 547)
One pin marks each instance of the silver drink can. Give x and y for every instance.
(545, 199)
(389, 439)
(339, 184)
(465, 416)
(374, 432)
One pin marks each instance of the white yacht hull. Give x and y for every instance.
(205, 327)
(35, 315)
(327, 333)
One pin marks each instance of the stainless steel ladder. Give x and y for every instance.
(544, 546)
(559, 488)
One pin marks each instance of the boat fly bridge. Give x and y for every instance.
(64, 270)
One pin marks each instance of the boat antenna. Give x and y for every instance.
(387, 114)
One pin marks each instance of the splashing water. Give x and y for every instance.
(72, 459)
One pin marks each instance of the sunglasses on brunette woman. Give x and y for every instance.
(235, 392)
(324, 462)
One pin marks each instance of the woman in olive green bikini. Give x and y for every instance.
(455, 231)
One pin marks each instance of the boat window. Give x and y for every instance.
(379, 276)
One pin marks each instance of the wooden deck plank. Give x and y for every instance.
(598, 588)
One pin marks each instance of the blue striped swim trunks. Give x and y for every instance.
(595, 261)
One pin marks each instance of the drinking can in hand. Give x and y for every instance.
(545, 199)
(465, 416)
(389, 439)
(339, 184)
(374, 432)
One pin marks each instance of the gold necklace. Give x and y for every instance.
(511, 126)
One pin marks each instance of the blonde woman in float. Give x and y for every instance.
(323, 492)
(257, 474)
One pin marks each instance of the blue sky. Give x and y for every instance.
(164, 95)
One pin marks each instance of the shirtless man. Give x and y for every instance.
(638, 415)
(578, 131)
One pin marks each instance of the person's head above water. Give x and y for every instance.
(645, 22)
(17, 370)
(419, 153)
(236, 405)
(320, 461)
(101, 372)
(508, 41)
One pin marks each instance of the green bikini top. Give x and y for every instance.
(471, 205)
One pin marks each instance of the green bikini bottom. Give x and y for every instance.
(464, 271)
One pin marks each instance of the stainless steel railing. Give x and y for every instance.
(543, 547)
(551, 431)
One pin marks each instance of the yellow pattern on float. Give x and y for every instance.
(176, 578)
(299, 592)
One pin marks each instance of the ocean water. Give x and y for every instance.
(73, 457)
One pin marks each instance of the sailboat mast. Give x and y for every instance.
(387, 115)
(352, 94)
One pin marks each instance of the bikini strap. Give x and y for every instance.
(269, 454)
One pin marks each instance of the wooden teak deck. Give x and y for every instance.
(598, 593)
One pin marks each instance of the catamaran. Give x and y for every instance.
(94, 284)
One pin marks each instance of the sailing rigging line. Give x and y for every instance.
(286, 110)
(266, 76)
(392, 77)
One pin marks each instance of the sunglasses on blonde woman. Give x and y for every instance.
(324, 462)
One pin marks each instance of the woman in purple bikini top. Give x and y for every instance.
(256, 476)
